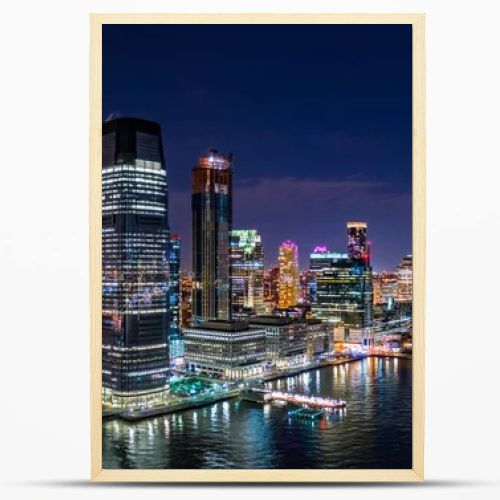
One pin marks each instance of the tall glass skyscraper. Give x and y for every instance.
(174, 288)
(344, 293)
(135, 267)
(175, 340)
(288, 260)
(320, 260)
(247, 272)
(344, 287)
(212, 223)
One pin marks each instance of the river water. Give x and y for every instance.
(373, 432)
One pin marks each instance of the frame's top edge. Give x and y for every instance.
(262, 17)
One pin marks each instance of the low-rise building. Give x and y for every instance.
(292, 341)
(285, 340)
(225, 349)
(319, 338)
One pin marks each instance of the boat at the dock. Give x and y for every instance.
(307, 413)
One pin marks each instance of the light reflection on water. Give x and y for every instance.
(373, 432)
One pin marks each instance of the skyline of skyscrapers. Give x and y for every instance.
(149, 302)
(212, 224)
(252, 337)
(135, 263)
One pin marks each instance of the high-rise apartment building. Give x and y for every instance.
(288, 274)
(247, 272)
(405, 280)
(358, 248)
(135, 264)
(212, 221)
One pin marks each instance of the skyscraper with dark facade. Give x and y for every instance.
(358, 248)
(135, 267)
(212, 223)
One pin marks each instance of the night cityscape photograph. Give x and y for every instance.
(257, 273)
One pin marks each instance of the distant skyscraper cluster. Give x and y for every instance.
(229, 317)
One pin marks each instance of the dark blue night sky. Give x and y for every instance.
(318, 118)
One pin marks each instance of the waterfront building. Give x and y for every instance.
(225, 349)
(212, 221)
(186, 299)
(288, 274)
(405, 280)
(286, 340)
(135, 266)
(319, 338)
(293, 341)
(344, 293)
(271, 289)
(358, 248)
(320, 259)
(247, 273)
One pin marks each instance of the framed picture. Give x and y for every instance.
(257, 247)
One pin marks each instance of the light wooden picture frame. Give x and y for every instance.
(416, 473)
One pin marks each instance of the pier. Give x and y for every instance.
(267, 395)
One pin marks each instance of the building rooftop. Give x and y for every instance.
(357, 224)
(271, 320)
(224, 325)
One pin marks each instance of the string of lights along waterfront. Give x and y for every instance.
(187, 351)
